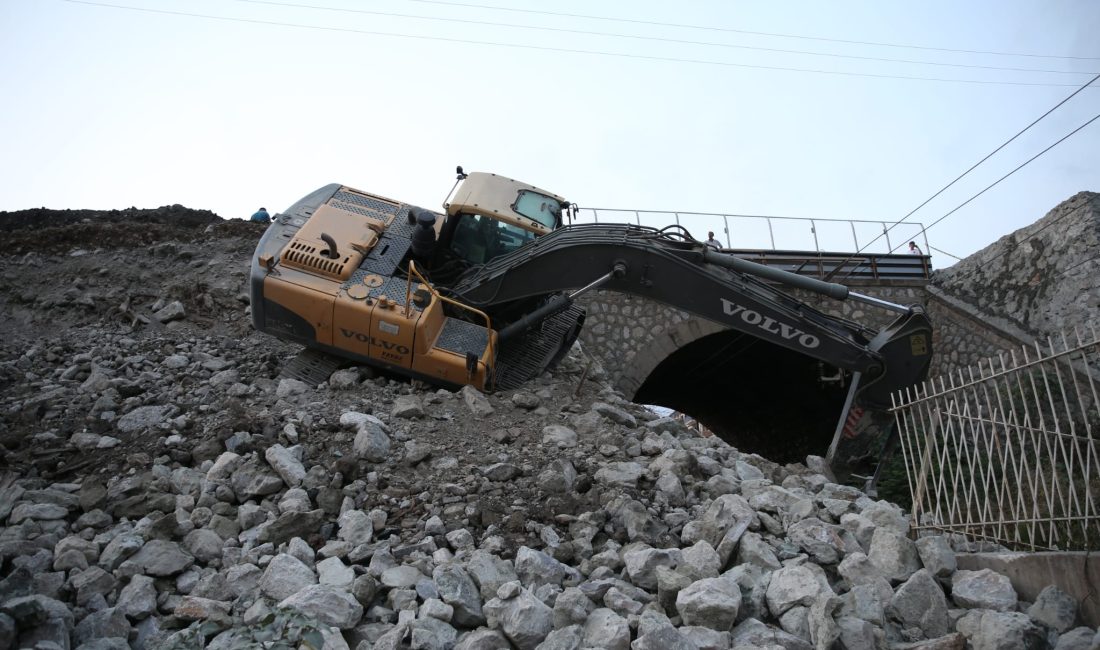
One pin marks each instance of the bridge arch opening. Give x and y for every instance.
(755, 395)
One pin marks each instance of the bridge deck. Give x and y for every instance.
(847, 266)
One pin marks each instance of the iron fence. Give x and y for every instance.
(1007, 451)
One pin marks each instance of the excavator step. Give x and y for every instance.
(529, 355)
(311, 366)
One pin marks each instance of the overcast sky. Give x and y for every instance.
(110, 107)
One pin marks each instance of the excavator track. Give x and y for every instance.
(311, 366)
(528, 356)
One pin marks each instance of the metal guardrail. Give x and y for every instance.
(1009, 451)
(750, 229)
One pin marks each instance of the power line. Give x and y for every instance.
(960, 177)
(659, 39)
(753, 33)
(543, 48)
(1018, 168)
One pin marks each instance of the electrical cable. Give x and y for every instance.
(651, 38)
(543, 48)
(752, 33)
(957, 179)
(1018, 168)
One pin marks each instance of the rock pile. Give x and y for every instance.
(162, 487)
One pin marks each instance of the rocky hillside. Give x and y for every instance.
(162, 487)
(1041, 278)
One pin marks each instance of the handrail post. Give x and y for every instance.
(855, 240)
(886, 233)
(771, 233)
(677, 218)
(726, 220)
(637, 217)
(925, 234)
(595, 216)
(813, 229)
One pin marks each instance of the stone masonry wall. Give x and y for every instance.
(1041, 279)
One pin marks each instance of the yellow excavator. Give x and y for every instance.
(483, 293)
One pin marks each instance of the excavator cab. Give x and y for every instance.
(493, 215)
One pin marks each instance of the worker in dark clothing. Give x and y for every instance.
(261, 216)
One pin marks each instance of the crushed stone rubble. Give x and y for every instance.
(162, 487)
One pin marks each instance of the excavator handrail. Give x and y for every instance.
(488, 321)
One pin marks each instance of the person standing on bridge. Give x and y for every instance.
(712, 242)
(914, 249)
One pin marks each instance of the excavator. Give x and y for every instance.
(485, 292)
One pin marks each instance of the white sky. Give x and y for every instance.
(107, 108)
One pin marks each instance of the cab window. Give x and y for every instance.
(543, 209)
(478, 239)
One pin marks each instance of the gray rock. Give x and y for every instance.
(818, 539)
(291, 524)
(920, 603)
(559, 436)
(489, 572)
(458, 590)
(606, 629)
(937, 555)
(711, 603)
(615, 414)
(855, 633)
(371, 442)
(1081, 638)
(483, 639)
(559, 476)
(894, 555)
(754, 550)
(823, 629)
(501, 472)
(566, 638)
(705, 638)
(138, 599)
(536, 568)
(416, 452)
(196, 608)
(700, 561)
(664, 638)
(983, 589)
(620, 474)
(119, 550)
(1055, 609)
(525, 620)
(407, 407)
(723, 523)
(329, 605)
(106, 623)
(286, 465)
(160, 558)
(334, 573)
(751, 633)
(401, 577)
(857, 569)
(794, 585)
(142, 418)
(170, 312)
(642, 562)
(37, 511)
(203, 544)
(431, 634)
(291, 387)
(251, 479)
(991, 630)
(475, 401)
(572, 607)
(285, 576)
(356, 527)
(345, 379)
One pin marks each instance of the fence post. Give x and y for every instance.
(771, 234)
(886, 233)
(726, 220)
(813, 229)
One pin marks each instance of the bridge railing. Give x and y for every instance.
(765, 232)
(1009, 451)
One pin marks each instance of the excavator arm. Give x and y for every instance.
(652, 264)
